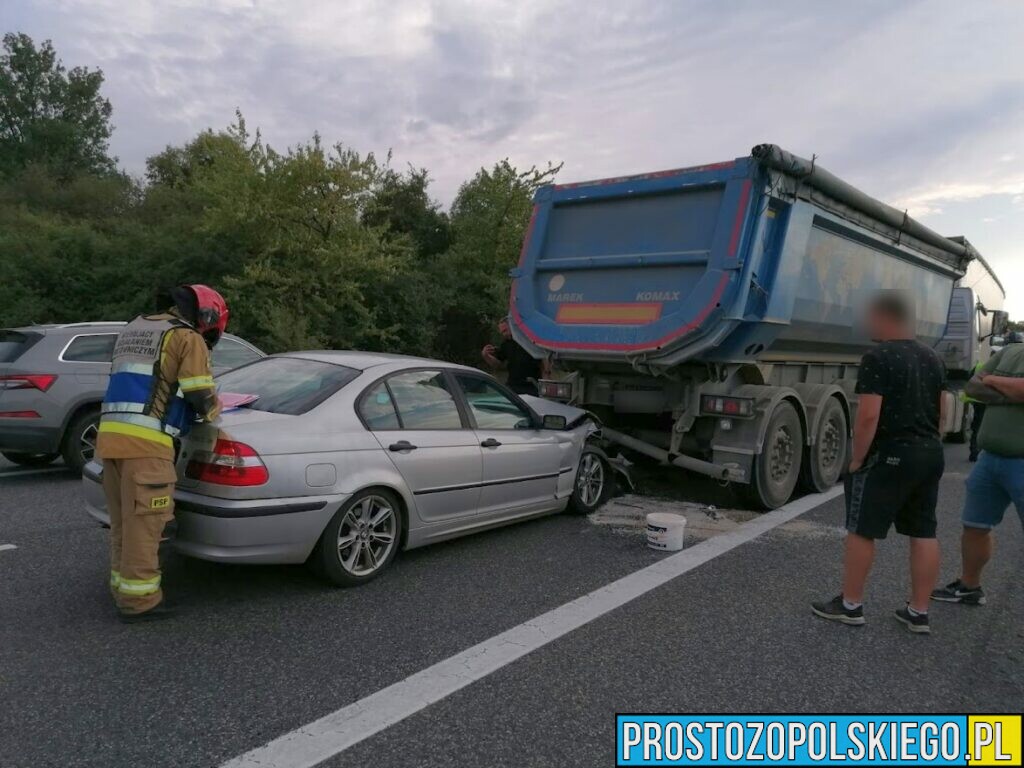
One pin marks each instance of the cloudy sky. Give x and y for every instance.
(918, 103)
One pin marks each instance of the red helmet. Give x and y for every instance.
(211, 313)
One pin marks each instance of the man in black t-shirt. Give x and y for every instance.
(524, 370)
(895, 465)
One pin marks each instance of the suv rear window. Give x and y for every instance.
(286, 385)
(90, 348)
(13, 344)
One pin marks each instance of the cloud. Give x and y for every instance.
(890, 93)
(918, 103)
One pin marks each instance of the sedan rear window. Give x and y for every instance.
(286, 385)
(14, 343)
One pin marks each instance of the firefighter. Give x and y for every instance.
(160, 384)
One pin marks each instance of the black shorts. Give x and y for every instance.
(899, 483)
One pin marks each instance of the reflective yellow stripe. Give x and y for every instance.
(195, 382)
(140, 420)
(139, 586)
(115, 579)
(132, 430)
(163, 346)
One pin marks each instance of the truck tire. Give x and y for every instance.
(824, 461)
(79, 444)
(777, 467)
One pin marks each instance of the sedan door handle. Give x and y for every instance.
(402, 445)
(490, 442)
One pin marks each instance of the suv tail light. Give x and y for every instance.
(40, 381)
(229, 463)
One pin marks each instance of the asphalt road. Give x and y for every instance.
(259, 651)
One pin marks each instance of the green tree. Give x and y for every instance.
(50, 115)
(489, 219)
(402, 204)
(314, 274)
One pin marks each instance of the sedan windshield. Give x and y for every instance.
(286, 385)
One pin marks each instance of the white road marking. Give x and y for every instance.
(24, 472)
(313, 743)
(4, 547)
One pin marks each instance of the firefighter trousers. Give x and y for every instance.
(140, 501)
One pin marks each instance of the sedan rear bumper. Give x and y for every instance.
(267, 531)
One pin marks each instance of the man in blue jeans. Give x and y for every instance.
(998, 478)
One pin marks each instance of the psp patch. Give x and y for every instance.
(160, 502)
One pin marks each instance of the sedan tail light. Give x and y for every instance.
(229, 463)
(40, 381)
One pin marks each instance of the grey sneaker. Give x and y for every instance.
(956, 592)
(834, 610)
(917, 623)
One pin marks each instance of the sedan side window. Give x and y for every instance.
(491, 407)
(423, 401)
(378, 409)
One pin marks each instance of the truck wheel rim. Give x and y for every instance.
(87, 443)
(830, 444)
(590, 479)
(367, 535)
(781, 455)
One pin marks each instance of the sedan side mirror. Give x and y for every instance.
(552, 421)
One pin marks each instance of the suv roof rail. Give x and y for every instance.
(86, 325)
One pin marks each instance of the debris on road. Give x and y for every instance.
(627, 515)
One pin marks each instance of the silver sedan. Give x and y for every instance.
(347, 457)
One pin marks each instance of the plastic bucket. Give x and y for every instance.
(665, 531)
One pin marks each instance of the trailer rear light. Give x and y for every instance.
(556, 390)
(18, 415)
(229, 463)
(40, 381)
(717, 405)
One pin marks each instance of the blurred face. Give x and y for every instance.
(874, 322)
(504, 330)
(881, 325)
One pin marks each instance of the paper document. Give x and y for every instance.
(230, 401)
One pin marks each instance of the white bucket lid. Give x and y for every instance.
(666, 520)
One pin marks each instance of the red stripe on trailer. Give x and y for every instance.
(701, 316)
(737, 225)
(609, 313)
(526, 237)
(522, 258)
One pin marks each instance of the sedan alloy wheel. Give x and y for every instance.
(361, 539)
(591, 488)
(367, 535)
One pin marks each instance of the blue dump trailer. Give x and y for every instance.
(710, 315)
